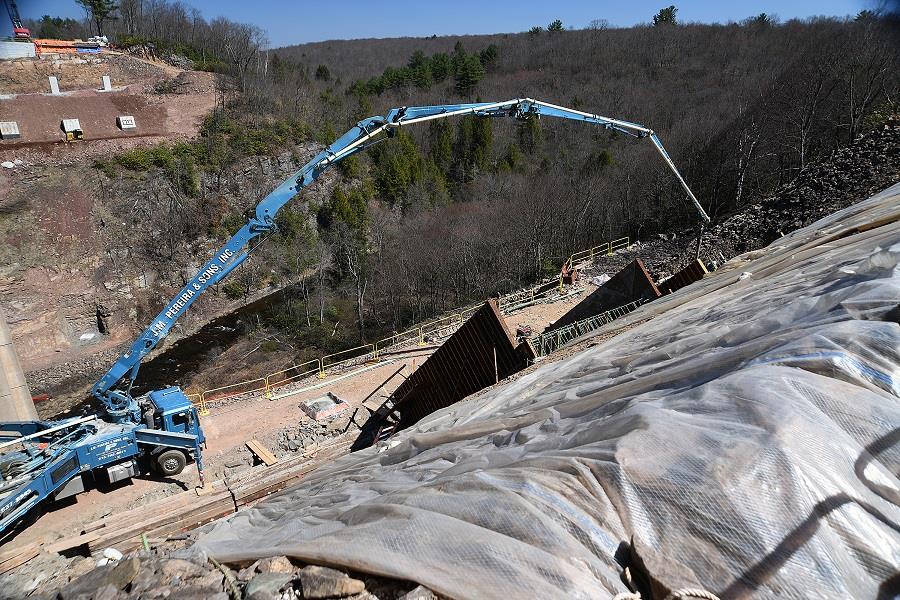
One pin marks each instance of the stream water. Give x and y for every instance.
(187, 354)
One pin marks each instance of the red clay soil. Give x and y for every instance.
(39, 115)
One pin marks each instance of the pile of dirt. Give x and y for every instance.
(189, 82)
(76, 72)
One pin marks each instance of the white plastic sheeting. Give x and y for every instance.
(747, 443)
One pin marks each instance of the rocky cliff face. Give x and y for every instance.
(88, 261)
(850, 175)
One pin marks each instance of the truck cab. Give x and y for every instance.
(174, 412)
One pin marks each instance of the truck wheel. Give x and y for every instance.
(170, 462)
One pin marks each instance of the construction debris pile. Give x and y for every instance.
(741, 444)
(852, 174)
(307, 435)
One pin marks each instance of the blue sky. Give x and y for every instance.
(305, 21)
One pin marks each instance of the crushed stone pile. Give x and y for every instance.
(307, 433)
(849, 176)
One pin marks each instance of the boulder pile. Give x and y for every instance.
(307, 434)
(191, 573)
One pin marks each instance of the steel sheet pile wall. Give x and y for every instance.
(463, 365)
(688, 275)
(630, 284)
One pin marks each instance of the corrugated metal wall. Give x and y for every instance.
(463, 365)
(688, 275)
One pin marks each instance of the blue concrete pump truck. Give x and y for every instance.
(160, 432)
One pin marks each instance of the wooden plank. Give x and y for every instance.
(14, 552)
(118, 534)
(186, 511)
(69, 543)
(262, 452)
(17, 560)
(878, 223)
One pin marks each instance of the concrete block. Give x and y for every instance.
(54, 84)
(9, 130)
(324, 407)
(70, 125)
(107, 84)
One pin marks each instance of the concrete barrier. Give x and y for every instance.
(10, 50)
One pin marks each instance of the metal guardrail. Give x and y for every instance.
(197, 400)
(603, 249)
(280, 378)
(547, 343)
(368, 349)
(438, 328)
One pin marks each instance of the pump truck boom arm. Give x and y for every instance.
(19, 30)
(114, 388)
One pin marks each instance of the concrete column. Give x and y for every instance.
(15, 398)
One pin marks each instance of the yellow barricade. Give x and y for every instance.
(232, 390)
(322, 364)
(438, 327)
(300, 371)
(197, 401)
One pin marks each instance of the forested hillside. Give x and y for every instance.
(453, 212)
(459, 210)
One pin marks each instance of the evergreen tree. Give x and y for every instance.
(397, 166)
(666, 16)
(555, 26)
(99, 11)
(473, 149)
(482, 143)
(469, 74)
(530, 135)
(422, 77)
(441, 142)
(417, 60)
(513, 159)
(489, 55)
(440, 66)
